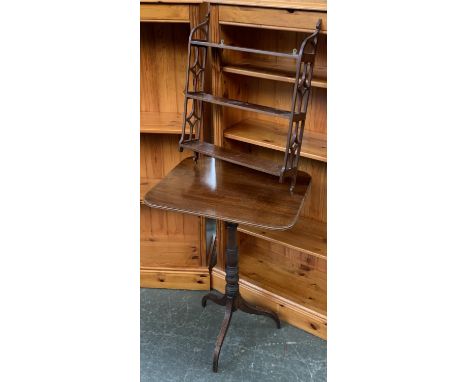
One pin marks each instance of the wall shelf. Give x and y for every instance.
(273, 136)
(307, 235)
(160, 123)
(319, 81)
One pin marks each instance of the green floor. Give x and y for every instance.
(178, 337)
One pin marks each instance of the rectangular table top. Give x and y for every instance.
(229, 192)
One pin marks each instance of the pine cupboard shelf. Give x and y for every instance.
(289, 19)
(160, 122)
(318, 80)
(164, 13)
(312, 5)
(307, 235)
(273, 136)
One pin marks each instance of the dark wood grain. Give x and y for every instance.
(236, 157)
(228, 192)
(245, 105)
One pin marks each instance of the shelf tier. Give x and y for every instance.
(319, 80)
(146, 184)
(246, 50)
(235, 157)
(307, 235)
(244, 105)
(160, 122)
(273, 136)
(307, 288)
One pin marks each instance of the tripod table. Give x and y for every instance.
(236, 195)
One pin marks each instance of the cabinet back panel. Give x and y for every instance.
(168, 239)
(163, 58)
(159, 154)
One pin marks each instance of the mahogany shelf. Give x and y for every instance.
(273, 136)
(306, 288)
(244, 105)
(294, 56)
(160, 122)
(307, 235)
(232, 156)
(319, 79)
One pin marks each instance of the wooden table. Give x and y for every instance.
(235, 195)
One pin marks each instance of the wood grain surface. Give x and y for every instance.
(228, 192)
(271, 73)
(236, 157)
(160, 122)
(274, 135)
(269, 18)
(173, 13)
(314, 5)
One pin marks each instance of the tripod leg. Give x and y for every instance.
(222, 332)
(214, 296)
(248, 308)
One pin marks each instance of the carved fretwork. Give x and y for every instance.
(195, 80)
(300, 101)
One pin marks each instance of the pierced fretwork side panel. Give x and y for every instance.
(300, 101)
(302, 92)
(195, 79)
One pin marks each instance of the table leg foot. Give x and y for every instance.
(248, 308)
(216, 297)
(222, 332)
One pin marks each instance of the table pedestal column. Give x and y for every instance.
(232, 299)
